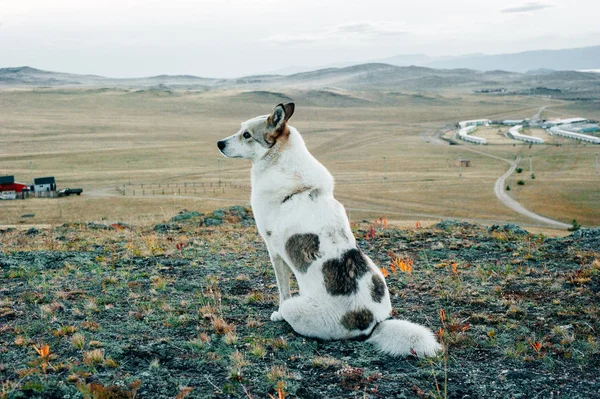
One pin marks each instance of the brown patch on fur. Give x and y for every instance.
(378, 288)
(342, 274)
(295, 192)
(357, 319)
(279, 136)
(303, 250)
(282, 132)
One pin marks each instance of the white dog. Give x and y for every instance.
(343, 294)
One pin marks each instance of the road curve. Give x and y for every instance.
(507, 200)
(499, 190)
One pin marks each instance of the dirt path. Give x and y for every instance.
(516, 206)
(538, 114)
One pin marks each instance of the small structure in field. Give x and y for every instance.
(9, 189)
(44, 184)
(463, 162)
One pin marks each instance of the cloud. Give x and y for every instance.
(527, 7)
(354, 30)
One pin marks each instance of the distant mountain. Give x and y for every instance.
(563, 60)
(27, 76)
(541, 71)
(331, 84)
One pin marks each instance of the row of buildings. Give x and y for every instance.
(573, 128)
(10, 189)
(515, 133)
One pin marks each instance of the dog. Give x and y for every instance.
(342, 293)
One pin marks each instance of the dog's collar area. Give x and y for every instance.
(296, 192)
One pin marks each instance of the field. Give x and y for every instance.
(181, 309)
(157, 147)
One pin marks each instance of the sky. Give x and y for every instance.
(230, 38)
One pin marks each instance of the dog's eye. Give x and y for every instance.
(247, 135)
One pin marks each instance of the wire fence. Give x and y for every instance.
(183, 188)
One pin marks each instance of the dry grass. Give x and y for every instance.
(149, 141)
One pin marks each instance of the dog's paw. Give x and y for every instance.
(276, 316)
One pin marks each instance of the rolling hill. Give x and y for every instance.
(363, 77)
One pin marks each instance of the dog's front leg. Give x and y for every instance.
(282, 274)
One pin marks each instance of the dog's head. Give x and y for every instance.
(258, 135)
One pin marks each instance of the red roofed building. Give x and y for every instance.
(7, 183)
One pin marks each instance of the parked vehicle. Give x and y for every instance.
(69, 191)
(8, 195)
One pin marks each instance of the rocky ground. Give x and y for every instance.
(182, 309)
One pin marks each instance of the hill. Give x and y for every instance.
(564, 59)
(183, 307)
(372, 77)
(30, 77)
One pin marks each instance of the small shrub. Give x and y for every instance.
(78, 341)
(231, 338)
(507, 188)
(220, 326)
(258, 350)
(519, 170)
(325, 362)
(93, 357)
(154, 364)
(277, 373)
(576, 226)
(521, 182)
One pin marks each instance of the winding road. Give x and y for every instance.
(517, 207)
(499, 186)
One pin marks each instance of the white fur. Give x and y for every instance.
(401, 338)
(287, 168)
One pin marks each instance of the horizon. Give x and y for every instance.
(131, 39)
(340, 65)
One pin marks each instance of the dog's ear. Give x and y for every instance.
(280, 115)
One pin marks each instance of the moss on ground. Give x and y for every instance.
(183, 309)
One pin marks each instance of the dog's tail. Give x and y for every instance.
(403, 338)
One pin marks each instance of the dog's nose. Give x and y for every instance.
(221, 144)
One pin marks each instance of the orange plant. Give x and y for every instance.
(382, 222)
(537, 347)
(280, 391)
(405, 265)
(371, 233)
(45, 356)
